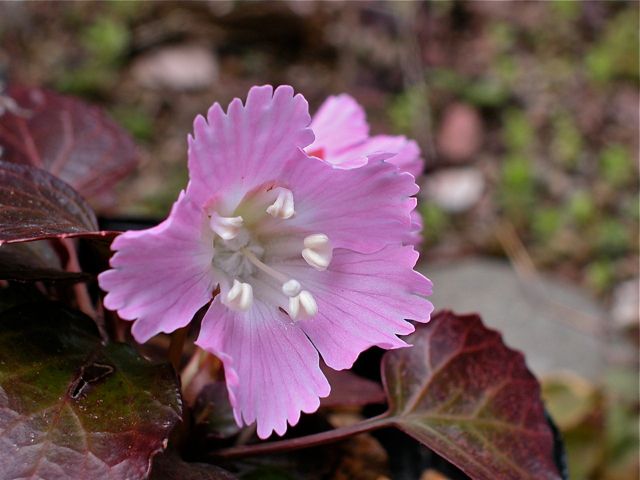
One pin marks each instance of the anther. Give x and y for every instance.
(283, 207)
(318, 251)
(240, 296)
(291, 288)
(302, 305)
(226, 227)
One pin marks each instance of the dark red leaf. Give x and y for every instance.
(35, 205)
(34, 261)
(72, 140)
(461, 392)
(71, 407)
(351, 390)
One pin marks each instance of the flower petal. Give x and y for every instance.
(406, 152)
(271, 367)
(163, 275)
(363, 209)
(339, 124)
(414, 235)
(363, 300)
(251, 144)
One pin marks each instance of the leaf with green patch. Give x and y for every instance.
(71, 139)
(461, 392)
(71, 407)
(169, 466)
(35, 205)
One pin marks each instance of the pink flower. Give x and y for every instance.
(308, 259)
(342, 139)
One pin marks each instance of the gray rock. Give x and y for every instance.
(557, 326)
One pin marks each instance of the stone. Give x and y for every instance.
(557, 326)
(625, 309)
(185, 67)
(454, 189)
(460, 134)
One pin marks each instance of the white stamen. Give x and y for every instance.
(240, 297)
(227, 227)
(283, 207)
(302, 305)
(291, 288)
(318, 251)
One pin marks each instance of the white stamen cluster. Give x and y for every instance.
(238, 256)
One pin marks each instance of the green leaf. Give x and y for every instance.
(461, 392)
(71, 407)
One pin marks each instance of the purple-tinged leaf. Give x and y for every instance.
(34, 261)
(461, 392)
(71, 407)
(70, 139)
(35, 205)
(351, 390)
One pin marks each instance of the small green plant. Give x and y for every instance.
(616, 54)
(616, 166)
(581, 208)
(566, 141)
(517, 131)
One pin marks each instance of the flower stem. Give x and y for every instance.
(305, 442)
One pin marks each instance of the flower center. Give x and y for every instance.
(256, 237)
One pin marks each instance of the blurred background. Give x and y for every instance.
(527, 115)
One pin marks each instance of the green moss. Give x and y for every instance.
(581, 208)
(517, 132)
(616, 166)
(106, 40)
(435, 221)
(486, 93)
(600, 275)
(616, 53)
(87, 80)
(405, 109)
(138, 122)
(566, 141)
(502, 35)
(517, 188)
(612, 238)
(568, 9)
(481, 92)
(546, 223)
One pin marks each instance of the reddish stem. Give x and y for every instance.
(175, 347)
(308, 441)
